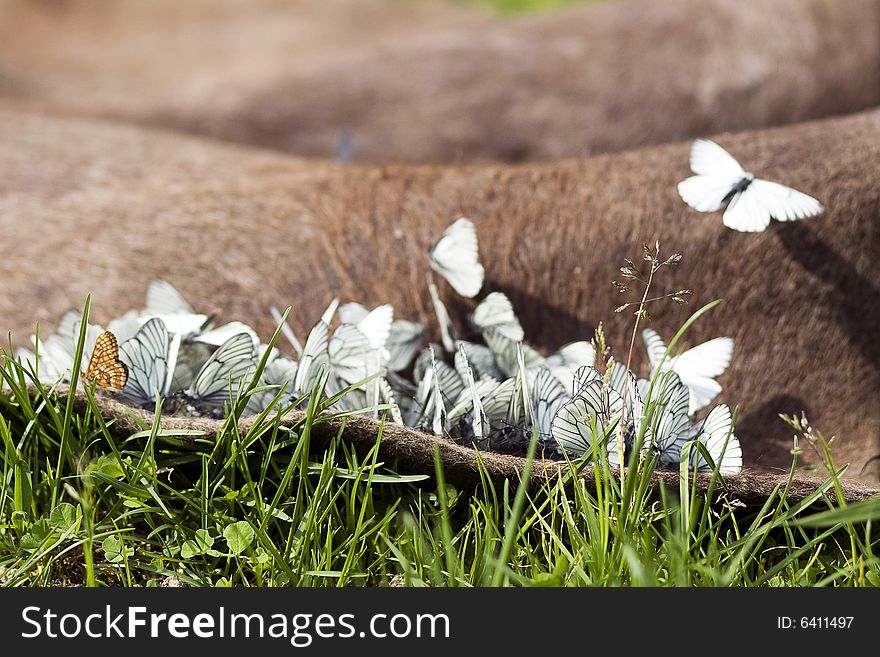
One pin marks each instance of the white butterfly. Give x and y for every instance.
(479, 421)
(588, 420)
(150, 357)
(497, 311)
(403, 342)
(670, 425)
(375, 324)
(455, 256)
(278, 373)
(447, 330)
(568, 359)
(547, 396)
(315, 359)
(230, 368)
(480, 359)
(166, 303)
(57, 351)
(751, 202)
(716, 433)
(505, 352)
(350, 354)
(428, 409)
(696, 367)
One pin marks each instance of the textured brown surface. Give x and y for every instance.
(410, 452)
(429, 81)
(91, 207)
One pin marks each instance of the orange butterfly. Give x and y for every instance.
(105, 368)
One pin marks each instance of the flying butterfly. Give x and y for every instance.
(105, 368)
(455, 256)
(751, 202)
(696, 367)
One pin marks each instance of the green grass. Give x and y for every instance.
(80, 507)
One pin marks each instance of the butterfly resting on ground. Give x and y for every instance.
(105, 368)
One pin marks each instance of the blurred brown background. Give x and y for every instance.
(443, 81)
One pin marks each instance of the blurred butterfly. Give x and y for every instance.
(228, 370)
(696, 367)
(496, 311)
(568, 359)
(505, 352)
(455, 256)
(278, 375)
(105, 368)
(166, 303)
(403, 343)
(428, 410)
(57, 351)
(351, 354)
(750, 201)
(716, 433)
(150, 357)
(447, 330)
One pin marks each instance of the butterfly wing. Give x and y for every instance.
(709, 159)
(573, 426)
(655, 346)
(455, 256)
(221, 334)
(447, 330)
(403, 342)
(716, 433)
(376, 325)
(717, 171)
(497, 311)
(104, 367)
(164, 299)
(547, 397)
(697, 366)
(745, 213)
(230, 367)
(783, 203)
(348, 350)
(315, 356)
(146, 356)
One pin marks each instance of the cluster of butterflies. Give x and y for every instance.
(492, 392)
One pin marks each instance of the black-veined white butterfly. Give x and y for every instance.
(496, 311)
(150, 355)
(505, 352)
(226, 371)
(696, 367)
(278, 376)
(670, 426)
(716, 433)
(751, 202)
(404, 340)
(586, 423)
(455, 256)
(447, 330)
(314, 361)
